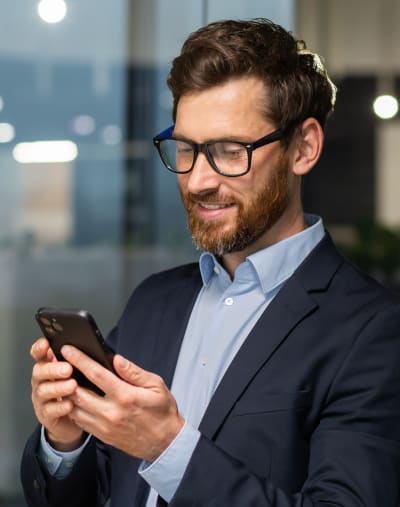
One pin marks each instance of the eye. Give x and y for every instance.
(230, 150)
(183, 148)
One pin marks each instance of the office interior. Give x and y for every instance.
(87, 211)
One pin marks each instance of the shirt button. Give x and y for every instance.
(216, 270)
(229, 301)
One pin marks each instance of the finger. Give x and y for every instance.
(57, 409)
(89, 401)
(93, 371)
(51, 371)
(40, 349)
(87, 421)
(55, 390)
(93, 414)
(50, 356)
(135, 375)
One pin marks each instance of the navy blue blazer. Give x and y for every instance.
(307, 414)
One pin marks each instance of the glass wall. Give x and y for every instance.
(86, 209)
(63, 91)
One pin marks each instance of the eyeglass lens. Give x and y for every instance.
(228, 157)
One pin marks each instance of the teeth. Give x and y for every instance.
(215, 206)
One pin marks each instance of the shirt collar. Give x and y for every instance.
(274, 264)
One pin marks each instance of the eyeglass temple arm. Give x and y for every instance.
(270, 138)
(165, 133)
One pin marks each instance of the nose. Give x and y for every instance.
(202, 178)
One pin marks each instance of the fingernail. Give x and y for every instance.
(66, 351)
(63, 369)
(122, 362)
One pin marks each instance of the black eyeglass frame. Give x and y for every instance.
(276, 135)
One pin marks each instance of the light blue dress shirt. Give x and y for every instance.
(230, 308)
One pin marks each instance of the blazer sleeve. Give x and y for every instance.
(354, 449)
(85, 486)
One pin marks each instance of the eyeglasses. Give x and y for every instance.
(229, 158)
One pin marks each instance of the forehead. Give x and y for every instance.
(235, 108)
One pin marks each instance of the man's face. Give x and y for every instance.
(228, 214)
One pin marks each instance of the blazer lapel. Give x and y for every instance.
(291, 305)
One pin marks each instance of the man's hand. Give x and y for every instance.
(137, 415)
(51, 385)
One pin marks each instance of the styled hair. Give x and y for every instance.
(297, 84)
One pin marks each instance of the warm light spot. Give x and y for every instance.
(39, 152)
(386, 106)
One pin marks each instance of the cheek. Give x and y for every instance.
(251, 185)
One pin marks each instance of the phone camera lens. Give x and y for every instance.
(50, 331)
(58, 327)
(45, 321)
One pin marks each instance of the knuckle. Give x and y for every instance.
(42, 371)
(95, 373)
(114, 418)
(54, 409)
(47, 411)
(34, 352)
(159, 381)
(36, 370)
(39, 349)
(125, 398)
(62, 408)
(41, 391)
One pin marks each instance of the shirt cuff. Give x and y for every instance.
(166, 472)
(59, 464)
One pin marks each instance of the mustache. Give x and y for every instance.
(209, 197)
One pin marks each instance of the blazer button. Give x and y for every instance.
(36, 484)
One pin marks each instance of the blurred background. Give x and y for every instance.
(87, 211)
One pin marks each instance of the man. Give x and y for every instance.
(268, 374)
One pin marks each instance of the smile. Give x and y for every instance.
(214, 206)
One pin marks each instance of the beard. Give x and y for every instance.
(254, 217)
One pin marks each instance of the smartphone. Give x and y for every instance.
(67, 326)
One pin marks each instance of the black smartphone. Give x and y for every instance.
(67, 326)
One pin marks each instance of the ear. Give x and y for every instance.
(308, 144)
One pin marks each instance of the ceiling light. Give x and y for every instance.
(83, 125)
(52, 11)
(111, 135)
(7, 132)
(386, 106)
(41, 152)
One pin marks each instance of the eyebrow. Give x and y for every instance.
(230, 139)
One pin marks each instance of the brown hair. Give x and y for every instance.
(297, 83)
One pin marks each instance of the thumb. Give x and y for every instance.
(132, 373)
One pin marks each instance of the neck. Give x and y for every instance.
(283, 229)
